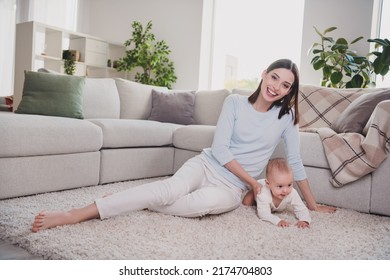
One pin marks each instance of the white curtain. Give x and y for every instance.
(7, 43)
(58, 13)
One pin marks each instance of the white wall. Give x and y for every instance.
(186, 25)
(178, 22)
(353, 18)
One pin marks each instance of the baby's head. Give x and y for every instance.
(279, 177)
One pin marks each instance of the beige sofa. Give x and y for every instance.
(116, 142)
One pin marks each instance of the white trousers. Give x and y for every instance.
(194, 190)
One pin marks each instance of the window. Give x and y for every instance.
(59, 13)
(384, 32)
(7, 31)
(251, 34)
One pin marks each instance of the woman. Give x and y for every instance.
(246, 135)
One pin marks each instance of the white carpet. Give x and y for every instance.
(147, 235)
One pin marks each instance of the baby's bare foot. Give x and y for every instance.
(46, 220)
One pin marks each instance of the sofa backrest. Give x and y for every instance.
(101, 99)
(246, 92)
(136, 102)
(119, 98)
(208, 106)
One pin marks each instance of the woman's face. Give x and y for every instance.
(276, 84)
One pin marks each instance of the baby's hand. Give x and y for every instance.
(302, 224)
(283, 223)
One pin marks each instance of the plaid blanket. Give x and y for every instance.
(352, 155)
(321, 106)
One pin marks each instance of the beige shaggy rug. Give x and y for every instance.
(148, 235)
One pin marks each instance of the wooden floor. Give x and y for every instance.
(12, 252)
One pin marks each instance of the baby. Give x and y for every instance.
(278, 194)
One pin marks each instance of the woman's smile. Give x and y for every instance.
(271, 92)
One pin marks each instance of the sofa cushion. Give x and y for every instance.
(101, 99)
(208, 106)
(355, 117)
(120, 133)
(34, 135)
(135, 99)
(52, 95)
(321, 106)
(194, 137)
(312, 150)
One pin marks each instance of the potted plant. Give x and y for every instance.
(153, 57)
(381, 63)
(341, 67)
(69, 63)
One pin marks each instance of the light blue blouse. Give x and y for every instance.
(250, 137)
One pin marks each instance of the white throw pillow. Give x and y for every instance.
(136, 99)
(101, 99)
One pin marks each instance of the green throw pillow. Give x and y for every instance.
(52, 95)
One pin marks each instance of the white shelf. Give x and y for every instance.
(40, 46)
(43, 56)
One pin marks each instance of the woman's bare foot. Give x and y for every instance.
(46, 220)
(50, 219)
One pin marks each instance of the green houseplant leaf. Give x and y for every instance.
(336, 77)
(381, 63)
(152, 57)
(69, 64)
(341, 66)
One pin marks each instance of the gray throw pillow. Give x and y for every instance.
(173, 107)
(52, 95)
(356, 115)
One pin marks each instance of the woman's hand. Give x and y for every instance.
(325, 209)
(256, 188)
(310, 200)
(250, 197)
